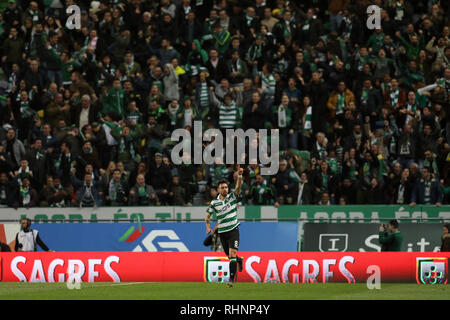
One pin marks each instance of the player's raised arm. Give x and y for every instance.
(207, 222)
(237, 190)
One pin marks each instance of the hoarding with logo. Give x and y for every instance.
(276, 267)
(260, 236)
(332, 213)
(329, 237)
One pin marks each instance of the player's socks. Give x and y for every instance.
(240, 261)
(233, 268)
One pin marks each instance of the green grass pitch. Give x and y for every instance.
(202, 291)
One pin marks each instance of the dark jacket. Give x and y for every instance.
(93, 111)
(445, 247)
(391, 241)
(4, 247)
(159, 177)
(219, 72)
(418, 193)
(406, 194)
(255, 119)
(307, 194)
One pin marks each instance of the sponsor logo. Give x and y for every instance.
(216, 269)
(333, 242)
(63, 270)
(148, 243)
(432, 270)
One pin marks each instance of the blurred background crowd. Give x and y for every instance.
(87, 115)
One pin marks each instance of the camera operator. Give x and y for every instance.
(390, 237)
(26, 238)
(445, 247)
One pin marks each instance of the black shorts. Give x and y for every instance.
(230, 239)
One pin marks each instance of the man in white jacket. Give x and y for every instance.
(26, 238)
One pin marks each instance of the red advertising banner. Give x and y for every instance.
(303, 267)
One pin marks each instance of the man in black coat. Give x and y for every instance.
(254, 113)
(217, 67)
(369, 99)
(159, 177)
(318, 92)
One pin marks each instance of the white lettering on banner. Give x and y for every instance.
(37, 274)
(147, 242)
(374, 281)
(368, 242)
(15, 269)
(51, 270)
(321, 215)
(326, 238)
(418, 215)
(401, 214)
(375, 218)
(327, 274)
(344, 270)
(307, 275)
(422, 244)
(356, 215)
(286, 267)
(272, 275)
(75, 270)
(251, 272)
(338, 215)
(444, 215)
(109, 270)
(91, 268)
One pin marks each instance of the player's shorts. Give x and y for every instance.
(230, 239)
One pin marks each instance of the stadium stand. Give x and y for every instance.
(363, 115)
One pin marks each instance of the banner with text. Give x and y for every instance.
(254, 236)
(356, 237)
(278, 267)
(333, 213)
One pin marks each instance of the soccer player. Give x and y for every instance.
(225, 208)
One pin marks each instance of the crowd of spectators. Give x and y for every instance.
(87, 115)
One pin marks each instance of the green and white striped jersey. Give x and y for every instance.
(228, 115)
(226, 212)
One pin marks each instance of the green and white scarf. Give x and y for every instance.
(249, 20)
(306, 26)
(365, 95)
(287, 30)
(332, 162)
(123, 147)
(308, 118)
(394, 97)
(26, 110)
(427, 192)
(340, 103)
(254, 52)
(399, 12)
(26, 195)
(281, 116)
